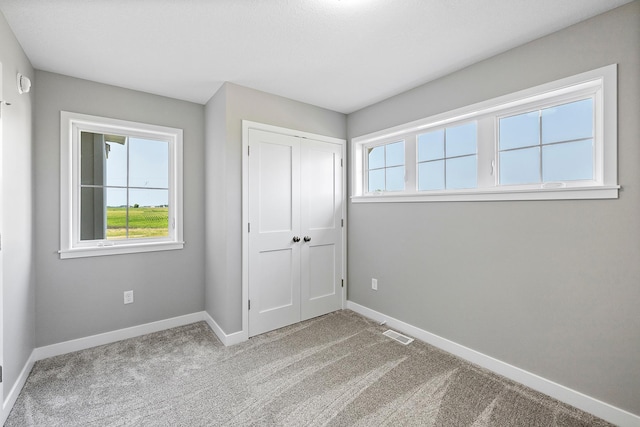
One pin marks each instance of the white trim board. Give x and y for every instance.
(136, 331)
(12, 396)
(564, 394)
(226, 339)
(113, 336)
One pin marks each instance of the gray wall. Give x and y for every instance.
(81, 297)
(217, 231)
(237, 103)
(552, 287)
(17, 270)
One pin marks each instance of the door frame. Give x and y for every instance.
(246, 125)
(2, 102)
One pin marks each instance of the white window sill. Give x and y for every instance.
(115, 249)
(571, 193)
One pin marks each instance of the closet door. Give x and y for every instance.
(295, 229)
(274, 235)
(321, 227)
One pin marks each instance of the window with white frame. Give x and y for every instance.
(554, 144)
(121, 186)
(554, 141)
(447, 158)
(385, 167)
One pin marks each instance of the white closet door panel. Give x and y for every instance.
(319, 187)
(275, 181)
(274, 217)
(322, 272)
(277, 282)
(321, 225)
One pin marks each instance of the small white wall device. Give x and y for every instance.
(24, 84)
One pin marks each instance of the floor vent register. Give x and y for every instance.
(402, 339)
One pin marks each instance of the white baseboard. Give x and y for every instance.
(12, 396)
(113, 336)
(226, 339)
(581, 401)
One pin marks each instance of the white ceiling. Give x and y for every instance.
(339, 54)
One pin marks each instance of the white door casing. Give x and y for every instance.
(293, 244)
(1, 253)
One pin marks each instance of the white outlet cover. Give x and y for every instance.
(128, 297)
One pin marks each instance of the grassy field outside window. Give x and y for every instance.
(144, 222)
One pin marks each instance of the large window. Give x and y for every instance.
(554, 141)
(121, 187)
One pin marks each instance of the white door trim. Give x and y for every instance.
(1, 253)
(246, 125)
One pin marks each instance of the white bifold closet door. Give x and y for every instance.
(295, 235)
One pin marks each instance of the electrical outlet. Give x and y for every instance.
(128, 297)
(374, 284)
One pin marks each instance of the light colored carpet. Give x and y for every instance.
(334, 370)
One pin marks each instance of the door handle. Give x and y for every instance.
(307, 238)
(296, 239)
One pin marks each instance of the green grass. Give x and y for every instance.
(143, 222)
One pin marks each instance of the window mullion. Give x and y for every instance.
(487, 151)
(365, 170)
(444, 160)
(385, 166)
(128, 191)
(411, 163)
(540, 144)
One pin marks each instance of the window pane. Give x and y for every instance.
(395, 154)
(431, 145)
(462, 172)
(568, 162)
(92, 158)
(116, 213)
(376, 157)
(148, 163)
(376, 180)
(461, 140)
(92, 213)
(431, 175)
(522, 130)
(568, 122)
(520, 166)
(148, 213)
(116, 163)
(395, 178)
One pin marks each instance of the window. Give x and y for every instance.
(385, 167)
(447, 158)
(554, 144)
(554, 141)
(121, 187)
